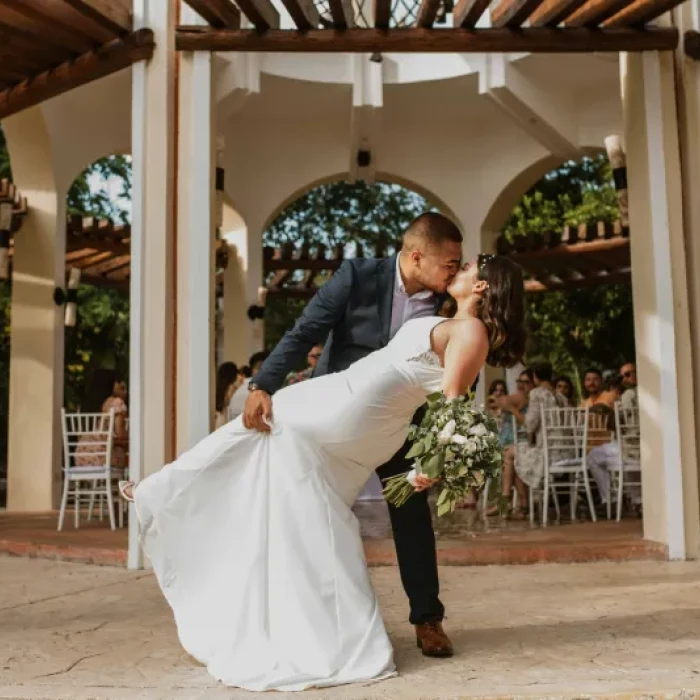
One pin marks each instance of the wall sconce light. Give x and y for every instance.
(364, 158)
(613, 145)
(5, 228)
(69, 298)
(219, 197)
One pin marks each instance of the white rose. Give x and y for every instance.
(478, 430)
(459, 440)
(446, 433)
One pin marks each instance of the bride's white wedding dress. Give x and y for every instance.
(252, 537)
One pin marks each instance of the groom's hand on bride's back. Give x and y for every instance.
(257, 414)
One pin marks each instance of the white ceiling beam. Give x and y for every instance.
(547, 116)
(367, 101)
(237, 78)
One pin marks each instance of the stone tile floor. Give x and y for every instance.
(625, 630)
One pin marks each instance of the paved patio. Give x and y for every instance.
(626, 630)
(463, 539)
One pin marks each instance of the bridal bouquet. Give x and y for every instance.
(455, 443)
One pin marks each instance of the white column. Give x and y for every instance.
(36, 353)
(195, 240)
(235, 318)
(151, 357)
(662, 324)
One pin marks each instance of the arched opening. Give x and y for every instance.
(565, 232)
(98, 205)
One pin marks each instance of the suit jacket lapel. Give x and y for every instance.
(386, 275)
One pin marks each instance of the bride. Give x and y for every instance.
(251, 535)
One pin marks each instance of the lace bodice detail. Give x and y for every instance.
(429, 358)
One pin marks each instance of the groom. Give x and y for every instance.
(356, 312)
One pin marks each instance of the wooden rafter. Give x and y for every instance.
(22, 14)
(66, 17)
(512, 13)
(219, 13)
(533, 40)
(640, 12)
(691, 45)
(594, 12)
(303, 13)
(110, 58)
(468, 12)
(114, 16)
(382, 14)
(427, 13)
(553, 12)
(261, 13)
(342, 13)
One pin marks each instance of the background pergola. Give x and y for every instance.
(576, 257)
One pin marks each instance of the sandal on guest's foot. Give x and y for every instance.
(126, 490)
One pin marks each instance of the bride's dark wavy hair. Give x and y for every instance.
(501, 309)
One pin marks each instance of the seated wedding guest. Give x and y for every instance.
(595, 392)
(529, 466)
(497, 389)
(237, 402)
(104, 393)
(312, 359)
(565, 388)
(613, 384)
(228, 379)
(603, 458)
(507, 438)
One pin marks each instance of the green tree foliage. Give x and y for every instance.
(374, 215)
(89, 196)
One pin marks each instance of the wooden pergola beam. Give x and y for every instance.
(261, 13)
(113, 15)
(553, 12)
(219, 13)
(640, 12)
(427, 13)
(412, 40)
(343, 13)
(303, 13)
(382, 14)
(593, 12)
(691, 45)
(24, 15)
(512, 13)
(66, 17)
(468, 12)
(108, 59)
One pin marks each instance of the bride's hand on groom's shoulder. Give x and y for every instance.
(257, 414)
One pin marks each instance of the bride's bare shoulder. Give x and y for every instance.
(468, 329)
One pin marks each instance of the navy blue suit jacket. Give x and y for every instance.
(350, 314)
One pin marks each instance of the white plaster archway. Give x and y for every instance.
(36, 357)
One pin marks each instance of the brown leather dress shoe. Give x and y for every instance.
(432, 640)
